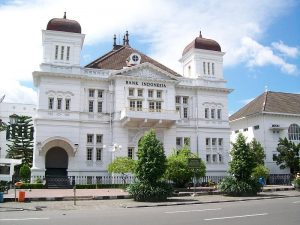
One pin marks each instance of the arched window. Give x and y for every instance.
(294, 132)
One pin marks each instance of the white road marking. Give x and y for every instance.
(194, 210)
(45, 218)
(296, 202)
(233, 217)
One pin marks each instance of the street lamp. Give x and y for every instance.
(13, 119)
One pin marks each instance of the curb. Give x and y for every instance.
(207, 202)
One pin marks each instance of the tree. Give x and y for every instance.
(240, 168)
(122, 165)
(150, 167)
(2, 126)
(20, 136)
(178, 170)
(151, 163)
(288, 155)
(258, 151)
(243, 160)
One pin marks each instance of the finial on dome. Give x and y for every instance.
(65, 15)
(124, 40)
(200, 34)
(127, 38)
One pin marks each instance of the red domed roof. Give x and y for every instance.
(202, 43)
(64, 24)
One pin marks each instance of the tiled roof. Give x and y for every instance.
(273, 102)
(116, 59)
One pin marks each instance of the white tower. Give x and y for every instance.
(202, 58)
(62, 43)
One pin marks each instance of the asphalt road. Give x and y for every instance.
(285, 211)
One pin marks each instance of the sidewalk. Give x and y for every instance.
(121, 199)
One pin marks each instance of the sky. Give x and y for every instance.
(261, 39)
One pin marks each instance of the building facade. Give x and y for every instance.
(88, 115)
(270, 116)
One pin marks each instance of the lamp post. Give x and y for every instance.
(115, 147)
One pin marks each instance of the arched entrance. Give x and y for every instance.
(56, 162)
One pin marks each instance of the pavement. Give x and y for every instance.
(63, 199)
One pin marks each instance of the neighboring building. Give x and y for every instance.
(87, 116)
(270, 116)
(6, 110)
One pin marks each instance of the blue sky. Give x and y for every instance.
(261, 38)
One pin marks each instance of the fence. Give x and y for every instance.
(273, 179)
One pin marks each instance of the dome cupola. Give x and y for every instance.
(64, 24)
(202, 43)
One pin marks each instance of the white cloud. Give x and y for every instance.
(288, 51)
(256, 54)
(165, 26)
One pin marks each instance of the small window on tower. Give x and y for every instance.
(62, 50)
(68, 53)
(56, 51)
(204, 72)
(213, 69)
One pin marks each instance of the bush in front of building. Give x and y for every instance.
(260, 171)
(32, 186)
(149, 170)
(25, 173)
(178, 170)
(240, 183)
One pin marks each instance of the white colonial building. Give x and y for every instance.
(88, 115)
(270, 116)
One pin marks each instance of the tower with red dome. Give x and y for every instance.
(62, 43)
(203, 59)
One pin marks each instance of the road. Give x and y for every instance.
(266, 212)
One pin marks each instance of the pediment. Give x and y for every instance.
(147, 71)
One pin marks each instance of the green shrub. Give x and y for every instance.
(32, 186)
(260, 171)
(296, 183)
(178, 170)
(233, 187)
(25, 173)
(150, 192)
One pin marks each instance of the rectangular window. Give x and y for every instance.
(207, 140)
(140, 92)
(158, 106)
(208, 158)
(89, 138)
(150, 93)
(56, 51)
(214, 159)
(213, 141)
(219, 113)
(59, 101)
(99, 107)
(132, 105)
(98, 154)
(151, 106)
(139, 105)
(185, 100)
(91, 93)
(131, 92)
(206, 113)
(178, 141)
(204, 72)
(177, 109)
(256, 127)
(208, 68)
(213, 69)
(158, 94)
(177, 99)
(185, 112)
(68, 53)
(99, 138)
(187, 141)
(212, 115)
(130, 152)
(67, 103)
(220, 140)
(89, 154)
(100, 93)
(220, 158)
(50, 103)
(91, 106)
(62, 50)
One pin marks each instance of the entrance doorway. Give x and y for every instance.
(56, 162)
